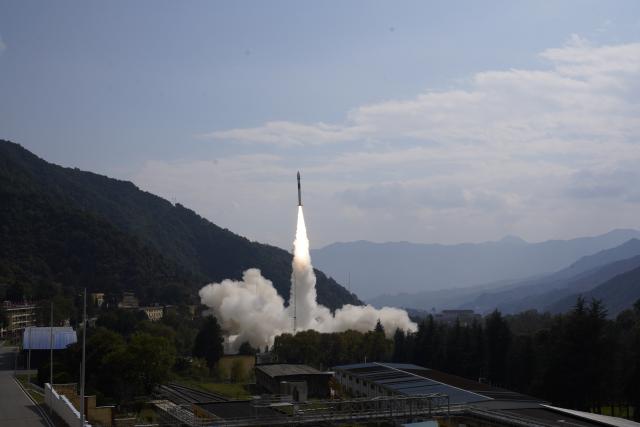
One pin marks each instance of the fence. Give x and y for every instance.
(62, 406)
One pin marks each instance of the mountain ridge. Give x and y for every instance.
(412, 267)
(182, 236)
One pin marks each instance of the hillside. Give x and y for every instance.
(617, 294)
(585, 274)
(374, 268)
(532, 293)
(201, 250)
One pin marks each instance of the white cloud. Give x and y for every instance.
(286, 134)
(528, 152)
(584, 92)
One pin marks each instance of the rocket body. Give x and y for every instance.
(299, 191)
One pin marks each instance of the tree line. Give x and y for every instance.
(580, 360)
(128, 356)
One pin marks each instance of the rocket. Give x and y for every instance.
(299, 191)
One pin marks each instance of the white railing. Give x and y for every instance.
(62, 406)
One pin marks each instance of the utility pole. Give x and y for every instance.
(84, 342)
(51, 347)
(51, 353)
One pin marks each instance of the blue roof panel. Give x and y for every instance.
(39, 338)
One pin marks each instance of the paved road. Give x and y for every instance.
(16, 409)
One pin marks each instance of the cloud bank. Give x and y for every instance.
(540, 153)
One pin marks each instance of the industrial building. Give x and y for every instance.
(279, 379)
(19, 317)
(470, 403)
(388, 379)
(154, 313)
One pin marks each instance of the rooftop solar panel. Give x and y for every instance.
(455, 395)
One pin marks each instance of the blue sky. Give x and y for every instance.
(422, 121)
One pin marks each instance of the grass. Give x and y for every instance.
(617, 411)
(147, 414)
(35, 395)
(229, 390)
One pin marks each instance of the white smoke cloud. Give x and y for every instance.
(251, 310)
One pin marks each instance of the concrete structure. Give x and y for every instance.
(67, 394)
(97, 298)
(19, 316)
(62, 406)
(465, 317)
(129, 300)
(270, 378)
(154, 313)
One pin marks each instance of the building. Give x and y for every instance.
(19, 317)
(388, 379)
(469, 403)
(129, 300)
(465, 317)
(154, 313)
(41, 340)
(275, 379)
(97, 298)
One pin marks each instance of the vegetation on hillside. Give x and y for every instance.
(63, 229)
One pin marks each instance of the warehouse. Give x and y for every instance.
(274, 378)
(387, 379)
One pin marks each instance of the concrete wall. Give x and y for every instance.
(62, 406)
(100, 415)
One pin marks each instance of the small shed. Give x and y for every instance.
(271, 376)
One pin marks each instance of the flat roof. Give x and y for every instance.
(284, 369)
(409, 379)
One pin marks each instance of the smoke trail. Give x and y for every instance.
(251, 309)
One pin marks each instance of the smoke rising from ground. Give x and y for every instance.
(251, 309)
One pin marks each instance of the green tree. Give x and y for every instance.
(209, 342)
(246, 349)
(400, 352)
(150, 359)
(498, 339)
(237, 371)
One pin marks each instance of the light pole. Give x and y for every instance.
(51, 347)
(82, 370)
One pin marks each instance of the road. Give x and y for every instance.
(16, 409)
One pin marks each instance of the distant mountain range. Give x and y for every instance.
(375, 269)
(63, 227)
(612, 275)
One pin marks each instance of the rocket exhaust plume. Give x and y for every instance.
(251, 309)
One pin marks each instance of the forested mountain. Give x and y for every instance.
(616, 294)
(138, 227)
(374, 268)
(583, 275)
